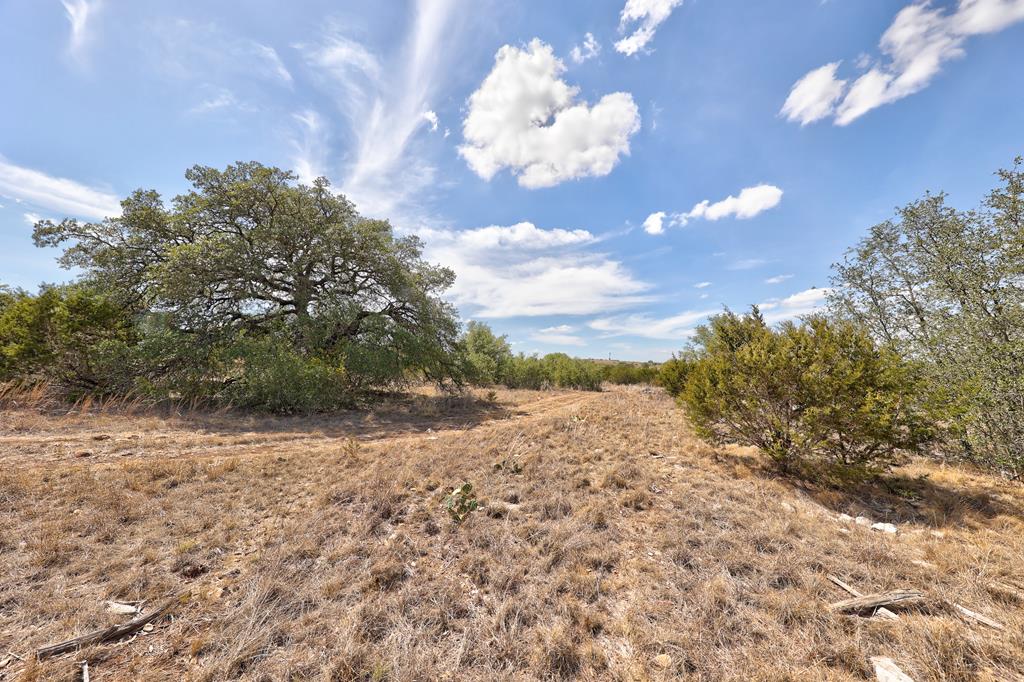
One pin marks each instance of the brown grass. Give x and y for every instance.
(607, 539)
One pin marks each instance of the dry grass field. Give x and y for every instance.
(610, 544)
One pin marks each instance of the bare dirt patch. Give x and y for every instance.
(609, 544)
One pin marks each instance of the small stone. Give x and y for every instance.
(663, 661)
(101, 436)
(788, 507)
(884, 527)
(121, 609)
(148, 627)
(846, 518)
(83, 453)
(862, 521)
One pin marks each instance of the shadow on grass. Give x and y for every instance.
(392, 415)
(901, 496)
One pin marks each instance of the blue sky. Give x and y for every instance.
(601, 175)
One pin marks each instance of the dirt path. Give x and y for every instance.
(127, 439)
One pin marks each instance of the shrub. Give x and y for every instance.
(268, 375)
(629, 372)
(672, 375)
(566, 372)
(820, 397)
(489, 356)
(527, 371)
(61, 335)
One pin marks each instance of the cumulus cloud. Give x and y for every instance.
(55, 194)
(524, 117)
(750, 202)
(679, 326)
(431, 118)
(653, 224)
(920, 40)
(508, 271)
(814, 96)
(588, 50)
(794, 306)
(778, 279)
(646, 16)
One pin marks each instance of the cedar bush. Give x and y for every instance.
(819, 398)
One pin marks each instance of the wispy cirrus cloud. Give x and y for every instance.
(680, 326)
(59, 195)
(384, 101)
(560, 335)
(81, 15)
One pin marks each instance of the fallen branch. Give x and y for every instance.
(114, 632)
(882, 611)
(971, 615)
(873, 601)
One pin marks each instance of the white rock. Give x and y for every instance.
(886, 670)
(884, 527)
(121, 609)
(863, 521)
(846, 518)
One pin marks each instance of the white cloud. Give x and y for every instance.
(55, 194)
(653, 223)
(794, 306)
(80, 15)
(385, 104)
(221, 99)
(193, 51)
(431, 118)
(649, 14)
(525, 118)
(679, 326)
(588, 50)
(814, 96)
(702, 285)
(750, 202)
(32, 218)
(560, 335)
(920, 40)
(508, 271)
(310, 146)
(777, 279)
(747, 263)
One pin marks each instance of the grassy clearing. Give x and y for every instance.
(609, 544)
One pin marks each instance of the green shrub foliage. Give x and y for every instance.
(818, 397)
(946, 287)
